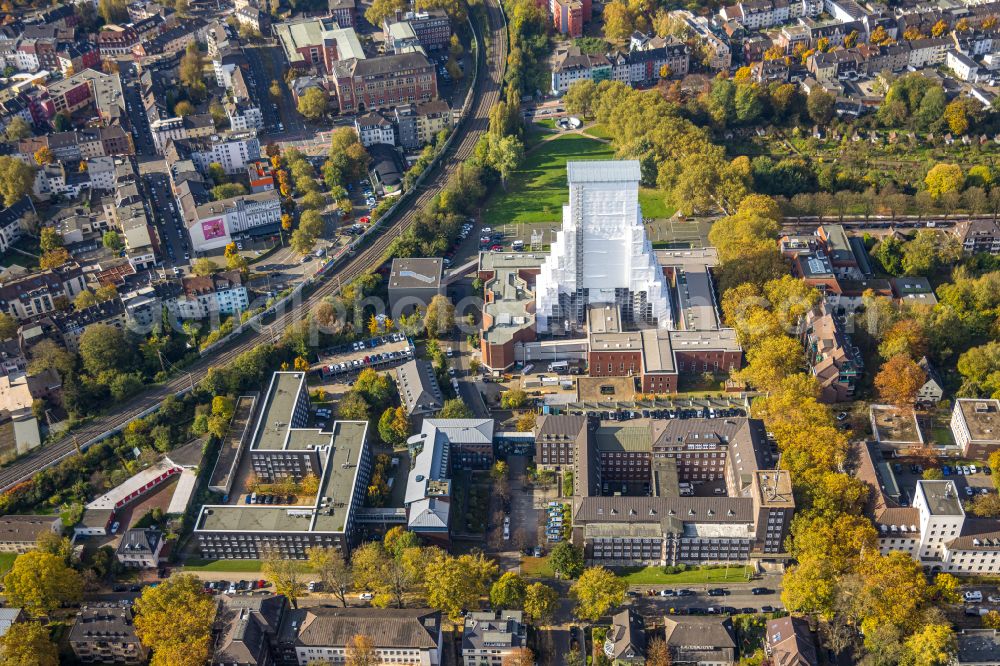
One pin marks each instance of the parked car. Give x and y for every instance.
(973, 596)
(717, 592)
(366, 596)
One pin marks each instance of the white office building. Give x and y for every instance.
(601, 255)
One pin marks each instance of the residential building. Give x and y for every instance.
(246, 630)
(374, 128)
(86, 88)
(832, 359)
(68, 327)
(932, 392)
(116, 40)
(913, 291)
(105, 634)
(383, 82)
(431, 118)
(558, 437)
(573, 65)
(19, 391)
(20, 533)
(703, 641)
(720, 53)
(418, 388)
(284, 447)
(140, 548)
(643, 67)
(568, 16)
(413, 283)
(592, 237)
(213, 295)
(490, 637)
(759, 14)
(626, 640)
(13, 220)
(36, 293)
(165, 130)
(234, 151)
(322, 633)
(244, 116)
(344, 12)
(978, 236)
(788, 641)
(9, 617)
(975, 425)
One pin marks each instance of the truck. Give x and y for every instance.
(559, 367)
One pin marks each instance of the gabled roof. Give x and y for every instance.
(790, 642)
(400, 628)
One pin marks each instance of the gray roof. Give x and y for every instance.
(419, 272)
(602, 171)
(418, 387)
(25, 529)
(627, 635)
(9, 616)
(413, 628)
(942, 497)
(709, 632)
(978, 646)
(501, 630)
(668, 511)
(138, 541)
(436, 438)
(103, 623)
(244, 623)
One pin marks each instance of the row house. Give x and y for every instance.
(169, 42)
(642, 67)
(13, 221)
(833, 31)
(344, 12)
(383, 82)
(759, 14)
(212, 295)
(243, 111)
(234, 151)
(573, 65)
(720, 55)
(116, 40)
(177, 128)
(68, 327)
(39, 293)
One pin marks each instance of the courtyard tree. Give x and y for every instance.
(174, 620)
(567, 559)
(597, 591)
(440, 316)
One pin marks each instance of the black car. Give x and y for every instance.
(760, 590)
(684, 593)
(748, 611)
(717, 592)
(767, 609)
(728, 610)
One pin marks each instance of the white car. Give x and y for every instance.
(973, 596)
(993, 599)
(966, 470)
(366, 596)
(973, 469)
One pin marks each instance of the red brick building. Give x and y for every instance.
(384, 82)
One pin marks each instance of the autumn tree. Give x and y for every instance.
(8, 326)
(394, 426)
(455, 408)
(899, 380)
(658, 653)
(771, 361)
(458, 582)
(944, 178)
(43, 156)
(596, 591)
(617, 21)
(508, 592)
(313, 103)
(540, 602)
(361, 651)
(932, 645)
(16, 179)
(521, 656)
(332, 569)
(28, 644)
(567, 559)
(41, 582)
(174, 619)
(380, 10)
(286, 575)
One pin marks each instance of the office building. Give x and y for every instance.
(490, 637)
(975, 425)
(284, 447)
(384, 82)
(413, 283)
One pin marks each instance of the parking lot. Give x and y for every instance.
(907, 471)
(378, 353)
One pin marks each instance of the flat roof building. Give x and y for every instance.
(418, 388)
(975, 424)
(284, 448)
(413, 283)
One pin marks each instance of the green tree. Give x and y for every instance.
(50, 239)
(506, 154)
(579, 98)
(932, 645)
(286, 575)
(28, 644)
(567, 560)
(353, 407)
(112, 241)
(8, 326)
(440, 316)
(204, 266)
(455, 409)
(394, 426)
(217, 173)
(313, 103)
(191, 71)
(41, 582)
(18, 129)
(820, 106)
(174, 620)
(596, 591)
(508, 592)
(513, 399)
(84, 300)
(228, 191)
(104, 347)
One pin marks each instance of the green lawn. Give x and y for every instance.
(6, 562)
(654, 205)
(598, 131)
(234, 566)
(537, 567)
(655, 575)
(537, 191)
(549, 123)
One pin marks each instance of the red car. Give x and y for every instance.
(364, 219)
(496, 248)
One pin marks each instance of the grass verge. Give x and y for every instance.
(6, 562)
(537, 567)
(655, 575)
(223, 566)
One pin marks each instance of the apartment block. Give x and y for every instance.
(975, 425)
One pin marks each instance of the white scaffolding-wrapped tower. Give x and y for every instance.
(601, 254)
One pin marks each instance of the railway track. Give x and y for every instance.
(489, 82)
